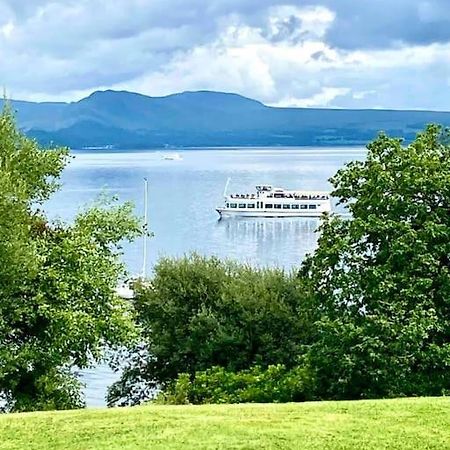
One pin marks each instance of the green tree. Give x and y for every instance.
(58, 307)
(201, 312)
(381, 279)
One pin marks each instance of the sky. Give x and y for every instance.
(312, 53)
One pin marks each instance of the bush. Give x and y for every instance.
(276, 384)
(202, 312)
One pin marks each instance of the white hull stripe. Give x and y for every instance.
(272, 213)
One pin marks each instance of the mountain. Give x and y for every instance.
(204, 118)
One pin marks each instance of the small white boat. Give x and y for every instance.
(172, 157)
(125, 290)
(269, 201)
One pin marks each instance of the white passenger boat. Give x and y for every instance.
(269, 201)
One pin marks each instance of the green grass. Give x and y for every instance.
(422, 423)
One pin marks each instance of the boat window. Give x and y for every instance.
(295, 206)
(303, 206)
(233, 205)
(278, 195)
(250, 205)
(228, 205)
(276, 206)
(242, 205)
(312, 206)
(286, 206)
(269, 205)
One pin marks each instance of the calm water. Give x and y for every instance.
(182, 201)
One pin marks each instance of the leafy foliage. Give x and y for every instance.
(201, 312)
(275, 384)
(58, 307)
(381, 280)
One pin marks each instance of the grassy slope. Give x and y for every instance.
(384, 424)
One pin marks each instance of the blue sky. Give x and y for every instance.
(318, 53)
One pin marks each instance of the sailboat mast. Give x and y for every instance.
(226, 187)
(144, 256)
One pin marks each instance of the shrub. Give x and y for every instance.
(202, 312)
(276, 384)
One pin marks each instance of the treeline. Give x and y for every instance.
(367, 315)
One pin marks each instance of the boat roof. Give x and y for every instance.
(270, 188)
(298, 191)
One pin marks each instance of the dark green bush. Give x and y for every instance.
(275, 384)
(202, 312)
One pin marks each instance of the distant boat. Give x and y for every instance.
(172, 157)
(99, 147)
(125, 291)
(268, 201)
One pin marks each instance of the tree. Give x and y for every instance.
(381, 279)
(58, 307)
(201, 312)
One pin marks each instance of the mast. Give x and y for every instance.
(144, 256)
(226, 187)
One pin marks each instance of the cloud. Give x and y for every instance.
(323, 53)
(293, 24)
(387, 23)
(307, 71)
(324, 97)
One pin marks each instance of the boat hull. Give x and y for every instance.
(223, 212)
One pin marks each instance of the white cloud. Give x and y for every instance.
(306, 72)
(7, 29)
(243, 59)
(321, 99)
(363, 94)
(270, 50)
(289, 22)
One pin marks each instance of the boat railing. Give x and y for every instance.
(279, 195)
(243, 196)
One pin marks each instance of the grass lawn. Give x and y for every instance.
(422, 423)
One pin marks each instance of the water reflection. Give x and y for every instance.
(267, 241)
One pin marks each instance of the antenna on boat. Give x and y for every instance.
(226, 187)
(144, 256)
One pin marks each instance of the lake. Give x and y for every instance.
(183, 195)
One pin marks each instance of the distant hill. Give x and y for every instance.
(195, 119)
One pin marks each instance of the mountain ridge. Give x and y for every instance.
(125, 119)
